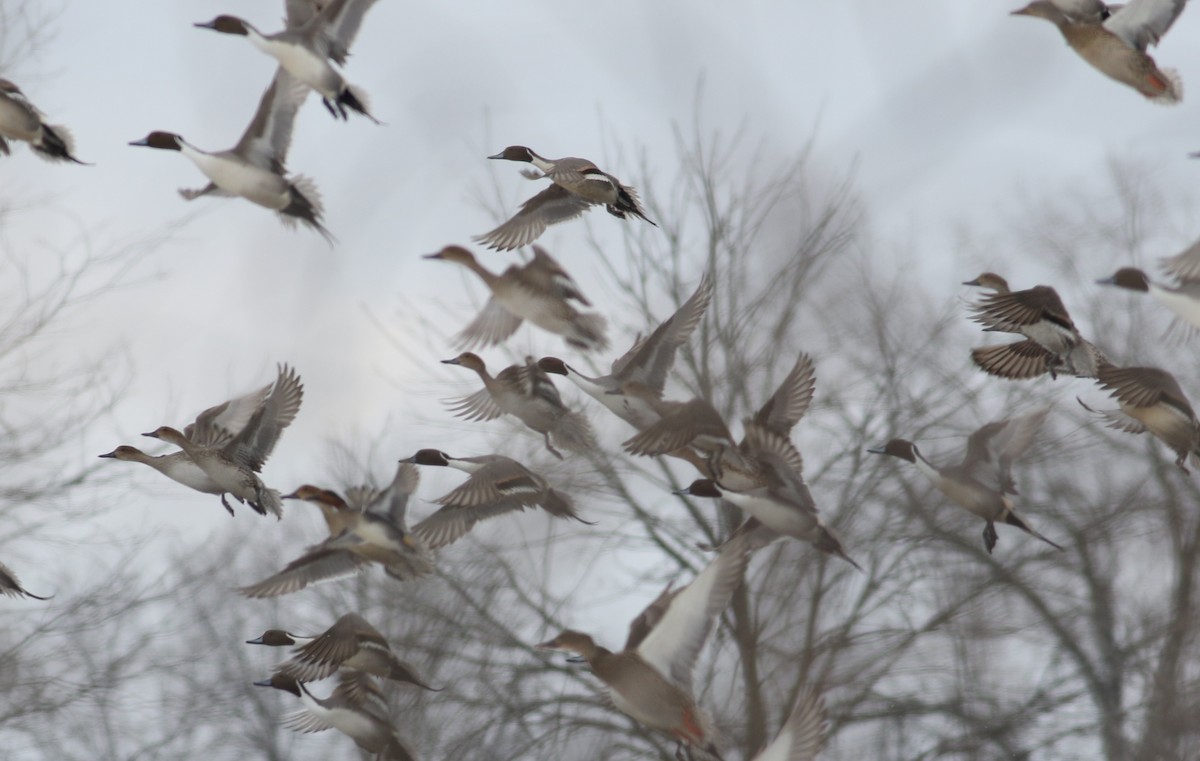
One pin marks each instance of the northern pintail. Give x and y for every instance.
(526, 393)
(497, 485)
(651, 678)
(740, 469)
(578, 185)
(1184, 299)
(1053, 342)
(214, 427)
(1151, 400)
(370, 527)
(21, 120)
(10, 586)
(1116, 44)
(647, 362)
(234, 462)
(982, 482)
(357, 708)
(307, 47)
(540, 291)
(254, 168)
(351, 643)
(779, 498)
(802, 735)
(694, 423)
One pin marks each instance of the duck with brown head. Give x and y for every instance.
(650, 679)
(578, 185)
(254, 169)
(526, 393)
(539, 291)
(21, 120)
(982, 482)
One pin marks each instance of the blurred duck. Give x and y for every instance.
(578, 185)
(647, 362)
(694, 424)
(10, 586)
(651, 678)
(779, 500)
(21, 120)
(232, 462)
(742, 470)
(497, 485)
(357, 708)
(801, 737)
(1151, 400)
(540, 291)
(366, 527)
(254, 168)
(1053, 343)
(1184, 299)
(1113, 39)
(350, 643)
(306, 48)
(214, 427)
(526, 393)
(981, 483)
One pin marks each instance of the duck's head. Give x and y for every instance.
(1040, 9)
(167, 141)
(125, 452)
(515, 153)
(571, 641)
(467, 359)
(429, 457)
(282, 682)
(991, 281)
(273, 638)
(453, 254)
(902, 448)
(226, 24)
(168, 434)
(1128, 277)
(552, 365)
(310, 493)
(701, 487)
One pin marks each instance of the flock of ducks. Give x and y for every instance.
(224, 449)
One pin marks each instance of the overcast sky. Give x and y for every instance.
(949, 111)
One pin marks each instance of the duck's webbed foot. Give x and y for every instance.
(990, 536)
(228, 507)
(550, 446)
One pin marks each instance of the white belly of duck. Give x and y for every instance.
(18, 123)
(1184, 303)
(239, 178)
(305, 65)
(777, 516)
(377, 534)
(1167, 423)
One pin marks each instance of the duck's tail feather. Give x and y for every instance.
(57, 144)
(588, 332)
(355, 99)
(1013, 519)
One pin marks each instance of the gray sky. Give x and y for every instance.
(951, 111)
